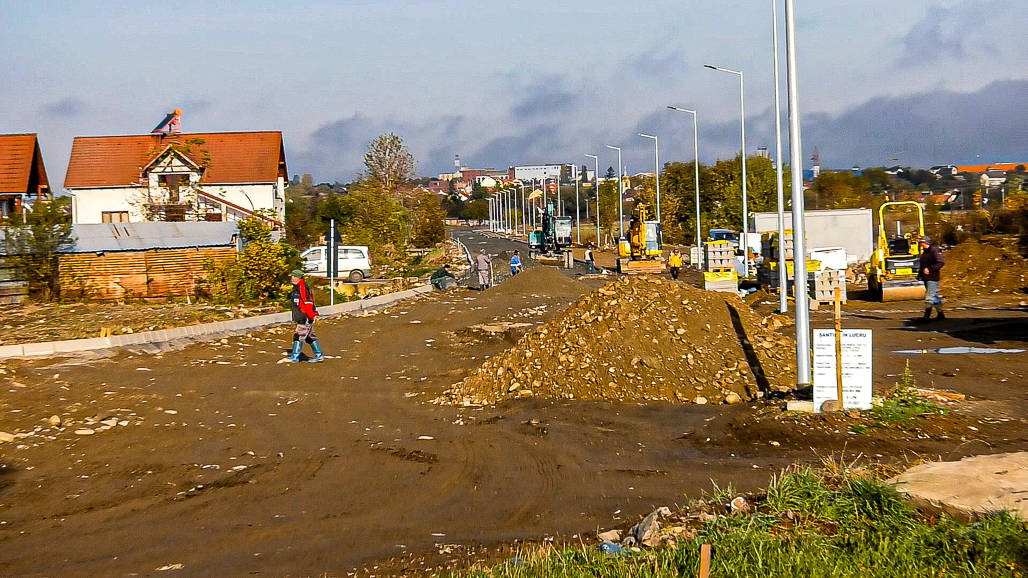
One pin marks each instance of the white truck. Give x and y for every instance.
(354, 262)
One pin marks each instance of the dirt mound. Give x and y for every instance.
(540, 280)
(641, 338)
(973, 269)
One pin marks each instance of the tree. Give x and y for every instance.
(843, 190)
(609, 207)
(32, 241)
(389, 164)
(477, 210)
(429, 228)
(610, 173)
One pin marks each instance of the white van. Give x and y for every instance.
(354, 262)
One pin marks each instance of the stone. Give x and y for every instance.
(647, 532)
(732, 398)
(6, 437)
(54, 420)
(609, 536)
(969, 488)
(85, 432)
(739, 505)
(700, 400)
(110, 422)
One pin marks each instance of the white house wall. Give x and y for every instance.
(88, 205)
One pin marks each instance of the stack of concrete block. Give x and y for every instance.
(822, 284)
(770, 245)
(720, 256)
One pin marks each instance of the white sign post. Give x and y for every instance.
(856, 368)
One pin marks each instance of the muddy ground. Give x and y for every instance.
(216, 459)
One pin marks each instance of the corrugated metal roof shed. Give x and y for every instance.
(228, 157)
(96, 238)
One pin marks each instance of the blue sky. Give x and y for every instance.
(522, 83)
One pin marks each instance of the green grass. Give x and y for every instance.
(902, 407)
(809, 523)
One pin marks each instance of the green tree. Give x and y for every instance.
(429, 228)
(389, 164)
(611, 173)
(839, 190)
(32, 241)
(477, 210)
(609, 208)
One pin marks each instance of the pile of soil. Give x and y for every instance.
(540, 280)
(641, 338)
(975, 269)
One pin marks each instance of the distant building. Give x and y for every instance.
(993, 178)
(177, 177)
(944, 170)
(22, 174)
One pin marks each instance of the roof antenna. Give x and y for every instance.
(172, 123)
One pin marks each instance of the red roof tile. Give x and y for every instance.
(17, 152)
(228, 157)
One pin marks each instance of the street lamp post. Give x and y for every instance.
(578, 209)
(656, 172)
(596, 191)
(696, 177)
(783, 277)
(745, 214)
(621, 196)
(798, 225)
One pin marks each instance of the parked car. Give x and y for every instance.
(725, 235)
(354, 262)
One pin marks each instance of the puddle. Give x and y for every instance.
(958, 350)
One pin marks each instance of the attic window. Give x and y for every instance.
(173, 180)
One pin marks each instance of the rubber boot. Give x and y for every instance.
(927, 314)
(318, 355)
(297, 347)
(938, 309)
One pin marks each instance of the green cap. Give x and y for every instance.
(296, 273)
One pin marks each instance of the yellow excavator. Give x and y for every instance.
(892, 272)
(641, 252)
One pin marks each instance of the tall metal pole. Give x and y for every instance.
(783, 275)
(524, 227)
(656, 171)
(798, 226)
(745, 209)
(332, 270)
(578, 209)
(621, 196)
(596, 191)
(696, 166)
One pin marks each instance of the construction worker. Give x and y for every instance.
(929, 270)
(304, 313)
(484, 264)
(674, 263)
(590, 263)
(440, 278)
(515, 263)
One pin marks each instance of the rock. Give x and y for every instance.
(609, 536)
(6, 437)
(513, 387)
(110, 422)
(732, 398)
(525, 393)
(970, 488)
(54, 420)
(700, 400)
(647, 532)
(739, 505)
(85, 432)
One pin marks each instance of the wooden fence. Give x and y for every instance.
(14, 288)
(127, 275)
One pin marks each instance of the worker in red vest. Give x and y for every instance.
(304, 313)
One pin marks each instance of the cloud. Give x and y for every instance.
(65, 108)
(545, 101)
(930, 128)
(930, 40)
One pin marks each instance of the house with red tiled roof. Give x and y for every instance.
(172, 176)
(22, 173)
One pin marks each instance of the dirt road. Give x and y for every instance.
(217, 460)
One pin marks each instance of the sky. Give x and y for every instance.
(880, 82)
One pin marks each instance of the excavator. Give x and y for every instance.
(641, 252)
(546, 244)
(892, 272)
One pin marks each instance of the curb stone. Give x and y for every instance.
(200, 332)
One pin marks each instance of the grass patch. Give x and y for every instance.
(902, 407)
(825, 522)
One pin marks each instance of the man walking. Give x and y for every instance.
(484, 264)
(929, 267)
(675, 263)
(304, 312)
